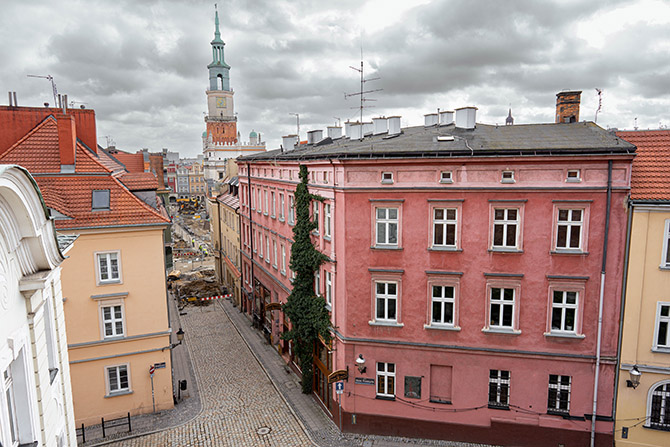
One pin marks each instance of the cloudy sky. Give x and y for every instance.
(142, 65)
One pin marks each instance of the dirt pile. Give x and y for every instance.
(198, 284)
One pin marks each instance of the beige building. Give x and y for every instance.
(196, 181)
(643, 409)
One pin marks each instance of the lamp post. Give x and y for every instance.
(180, 338)
(634, 380)
(360, 363)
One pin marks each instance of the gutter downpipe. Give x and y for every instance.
(251, 240)
(622, 312)
(600, 303)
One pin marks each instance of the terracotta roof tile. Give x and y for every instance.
(139, 181)
(132, 162)
(650, 179)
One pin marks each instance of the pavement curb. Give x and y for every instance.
(265, 371)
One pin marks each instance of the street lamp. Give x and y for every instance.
(360, 363)
(180, 338)
(634, 380)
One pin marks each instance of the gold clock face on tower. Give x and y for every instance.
(221, 102)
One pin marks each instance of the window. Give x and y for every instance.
(10, 407)
(501, 303)
(387, 177)
(281, 205)
(386, 226)
(315, 216)
(291, 210)
(444, 227)
(108, 267)
(274, 251)
(112, 321)
(505, 227)
(385, 379)
(117, 379)
(283, 259)
(442, 305)
(259, 206)
(446, 177)
(573, 175)
(267, 251)
(559, 394)
(326, 220)
(569, 229)
(386, 298)
(317, 282)
(255, 240)
(658, 407)
(329, 288)
(274, 206)
(665, 262)
(267, 207)
(499, 388)
(260, 246)
(507, 177)
(662, 335)
(564, 311)
(100, 200)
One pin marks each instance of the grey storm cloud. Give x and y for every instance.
(142, 65)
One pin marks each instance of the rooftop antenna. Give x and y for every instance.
(297, 122)
(600, 103)
(338, 121)
(362, 92)
(635, 126)
(53, 85)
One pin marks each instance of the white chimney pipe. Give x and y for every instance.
(334, 132)
(465, 117)
(394, 125)
(356, 131)
(367, 128)
(314, 136)
(347, 128)
(446, 117)
(430, 119)
(289, 142)
(380, 125)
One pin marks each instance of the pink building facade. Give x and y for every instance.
(465, 272)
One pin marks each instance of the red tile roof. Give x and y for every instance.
(650, 179)
(132, 162)
(139, 181)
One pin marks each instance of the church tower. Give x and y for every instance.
(221, 120)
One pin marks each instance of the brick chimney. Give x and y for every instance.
(567, 107)
(67, 141)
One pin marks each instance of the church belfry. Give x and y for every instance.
(219, 71)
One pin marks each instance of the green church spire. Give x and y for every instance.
(219, 77)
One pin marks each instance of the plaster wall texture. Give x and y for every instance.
(141, 293)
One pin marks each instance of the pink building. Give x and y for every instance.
(465, 275)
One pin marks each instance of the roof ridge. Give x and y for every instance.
(144, 205)
(27, 135)
(90, 155)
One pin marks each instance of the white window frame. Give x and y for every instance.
(317, 282)
(386, 374)
(103, 322)
(273, 204)
(329, 287)
(281, 206)
(515, 286)
(506, 223)
(446, 177)
(315, 215)
(662, 320)
(575, 178)
(506, 206)
(291, 209)
(443, 223)
(260, 246)
(665, 259)
(108, 257)
(120, 391)
(326, 220)
(267, 251)
(8, 402)
(267, 205)
(388, 223)
(570, 226)
(387, 178)
(498, 299)
(560, 389)
(283, 260)
(564, 308)
(664, 412)
(507, 176)
(387, 297)
(443, 301)
(259, 204)
(500, 383)
(274, 250)
(583, 226)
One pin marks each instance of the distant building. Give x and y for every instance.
(35, 391)
(221, 140)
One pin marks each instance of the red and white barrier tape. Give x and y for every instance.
(216, 297)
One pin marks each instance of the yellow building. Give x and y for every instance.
(643, 410)
(196, 181)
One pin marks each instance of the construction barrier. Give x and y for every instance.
(217, 297)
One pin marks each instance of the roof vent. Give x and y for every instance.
(430, 119)
(314, 135)
(334, 132)
(356, 131)
(446, 117)
(394, 125)
(380, 125)
(289, 142)
(367, 128)
(347, 128)
(465, 117)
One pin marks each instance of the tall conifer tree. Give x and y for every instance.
(306, 311)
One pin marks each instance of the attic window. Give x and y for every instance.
(573, 176)
(508, 177)
(100, 200)
(445, 177)
(387, 177)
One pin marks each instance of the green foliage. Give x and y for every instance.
(306, 311)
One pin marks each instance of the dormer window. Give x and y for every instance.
(100, 200)
(446, 177)
(387, 177)
(507, 177)
(573, 176)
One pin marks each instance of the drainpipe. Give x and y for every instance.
(600, 303)
(251, 239)
(622, 311)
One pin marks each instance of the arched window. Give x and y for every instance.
(219, 82)
(658, 406)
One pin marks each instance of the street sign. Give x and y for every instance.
(339, 387)
(340, 374)
(159, 365)
(151, 370)
(364, 381)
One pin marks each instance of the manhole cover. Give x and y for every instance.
(263, 430)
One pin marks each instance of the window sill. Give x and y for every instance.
(502, 331)
(326, 238)
(439, 327)
(385, 324)
(113, 338)
(328, 307)
(385, 247)
(661, 349)
(568, 252)
(283, 272)
(495, 406)
(504, 250)
(446, 182)
(664, 267)
(265, 214)
(118, 393)
(273, 216)
(565, 335)
(113, 281)
(392, 398)
(281, 219)
(650, 427)
(451, 249)
(274, 266)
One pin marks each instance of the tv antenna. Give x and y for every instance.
(600, 103)
(53, 85)
(297, 122)
(362, 92)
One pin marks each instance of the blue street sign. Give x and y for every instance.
(339, 387)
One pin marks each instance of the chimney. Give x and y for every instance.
(314, 136)
(289, 142)
(394, 125)
(380, 125)
(567, 107)
(465, 117)
(430, 119)
(67, 142)
(356, 131)
(446, 117)
(334, 132)
(367, 128)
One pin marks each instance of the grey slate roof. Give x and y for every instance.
(484, 140)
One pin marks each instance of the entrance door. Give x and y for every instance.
(322, 369)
